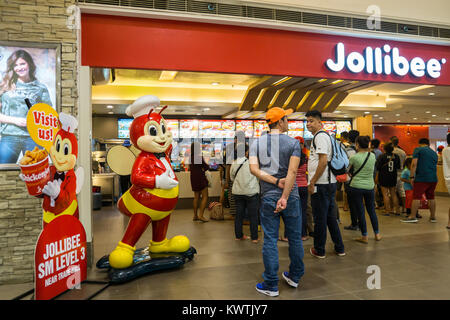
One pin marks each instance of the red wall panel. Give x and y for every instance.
(408, 136)
(141, 43)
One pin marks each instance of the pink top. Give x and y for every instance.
(301, 178)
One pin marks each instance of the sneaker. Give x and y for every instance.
(262, 288)
(410, 220)
(433, 220)
(418, 216)
(340, 254)
(350, 227)
(315, 254)
(289, 281)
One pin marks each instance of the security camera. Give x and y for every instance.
(405, 28)
(211, 6)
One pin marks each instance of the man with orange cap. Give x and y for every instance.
(274, 160)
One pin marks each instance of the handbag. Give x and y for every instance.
(360, 168)
(209, 178)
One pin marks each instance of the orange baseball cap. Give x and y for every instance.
(274, 114)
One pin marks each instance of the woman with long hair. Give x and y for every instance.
(199, 183)
(19, 83)
(387, 165)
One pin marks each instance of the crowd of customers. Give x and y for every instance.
(278, 179)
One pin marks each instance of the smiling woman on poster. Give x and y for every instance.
(18, 83)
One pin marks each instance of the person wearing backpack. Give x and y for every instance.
(362, 185)
(324, 152)
(245, 192)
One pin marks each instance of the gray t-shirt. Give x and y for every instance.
(274, 152)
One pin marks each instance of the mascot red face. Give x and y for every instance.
(149, 133)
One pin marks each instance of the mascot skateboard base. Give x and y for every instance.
(145, 262)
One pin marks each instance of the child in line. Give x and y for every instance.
(405, 177)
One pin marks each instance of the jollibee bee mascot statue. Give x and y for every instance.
(154, 191)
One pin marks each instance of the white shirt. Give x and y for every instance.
(446, 164)
(323, 146)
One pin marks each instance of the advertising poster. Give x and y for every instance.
(217, 128)
(123, 126)
(295, 129)
(172, 125)
(260, 127)
(188, 129)
(246, 126)
(26, 72)
(342, 126)
(330, 127)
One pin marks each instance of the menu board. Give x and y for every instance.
(172, 125)
(124, 128)
(188, 129)
(307, 134)
(295, 129)
(217, 128)
(260, 127)
(246, 126)
(330, 127)
(342, 126)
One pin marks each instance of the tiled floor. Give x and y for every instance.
(414, 260)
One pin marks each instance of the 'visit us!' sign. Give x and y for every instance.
(60, 257)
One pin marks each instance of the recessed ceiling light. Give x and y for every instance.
(447, 119)
(206, 109)
(337, 111)
(380, 118)
(428, 112)
(345, 116)
(433, 115)
(109, 107)
(414, 118)
(398, 120)
(366, 112)
(397, 114)
(429, 120)
(375, 115)
(215, 83)
(431, 94)
(198, 114)
(371, 91)
(110, 112)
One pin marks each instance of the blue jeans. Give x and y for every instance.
(369, 199)
(270, 222)
(303, 193)
(324, 213)
(249, 204)
(351, 206)
(10, 147)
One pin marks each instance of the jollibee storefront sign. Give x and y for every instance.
(384, 60)
(60, 257)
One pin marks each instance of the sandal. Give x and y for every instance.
(202, 219)
(255, 241)
(283, 239)
(305, 238)
(362, 240)
(378, 237)
(244, 237)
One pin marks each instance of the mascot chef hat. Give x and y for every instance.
(68, 122)
(142, 106)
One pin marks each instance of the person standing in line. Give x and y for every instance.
(302, 183)
(351, 151)
(446, 170)
(199, 183)
(375, 148)
(362, 185)
(246, 194)
(424, 178)
(402, 155)
(405, 178)
(387, 166)
(344, 140)
(274, 160)
(322, 188)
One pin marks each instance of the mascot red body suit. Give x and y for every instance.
(154, 191)
(60, 193)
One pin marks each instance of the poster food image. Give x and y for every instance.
(342, 126)
(172, 125)
(246, 126)
(260, 127)
(188, 129)
(329, 126)
(296, 129)
(217, 128)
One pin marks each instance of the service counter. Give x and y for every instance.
(441, 188)
(109, 184)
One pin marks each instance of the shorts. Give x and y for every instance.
(426, 188)
(408, 198)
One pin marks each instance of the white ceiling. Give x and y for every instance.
(192, 93)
